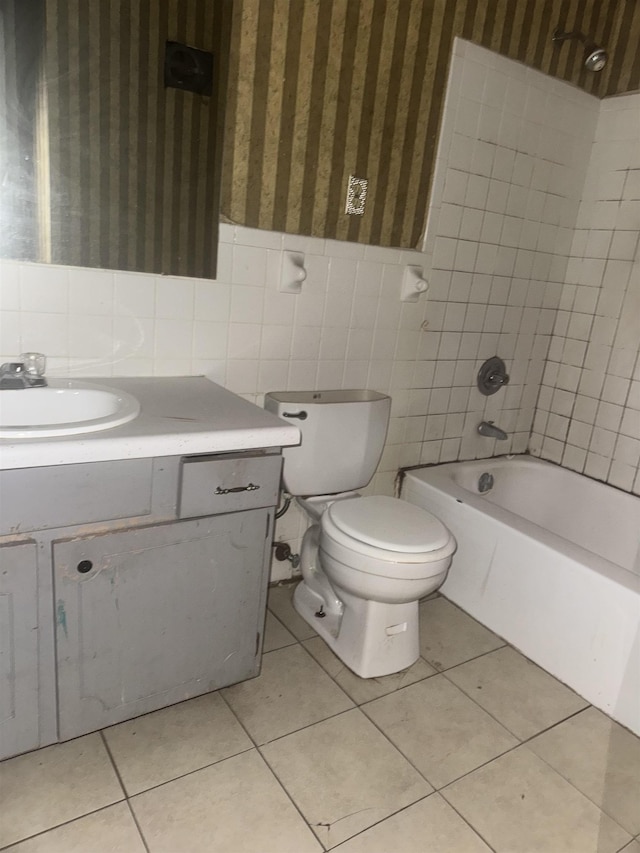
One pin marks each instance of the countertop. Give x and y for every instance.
(178, 415)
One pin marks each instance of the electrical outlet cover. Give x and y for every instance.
(356, 195)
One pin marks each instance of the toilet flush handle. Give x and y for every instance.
(300, 415)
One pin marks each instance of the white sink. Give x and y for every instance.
(65, 407)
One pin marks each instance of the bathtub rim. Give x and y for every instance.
(435, 477)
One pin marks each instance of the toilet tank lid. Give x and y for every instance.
(389, 523)
(307, 398)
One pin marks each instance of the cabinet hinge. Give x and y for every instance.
(266, 532)
(257, 643)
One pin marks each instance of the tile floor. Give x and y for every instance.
(472, 749)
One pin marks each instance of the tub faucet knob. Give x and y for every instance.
(492, 376)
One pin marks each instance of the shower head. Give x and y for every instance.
(595, 58)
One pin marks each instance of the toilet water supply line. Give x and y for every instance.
(283, 549)
(285, 506)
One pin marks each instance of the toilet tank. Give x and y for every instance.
(343, 434)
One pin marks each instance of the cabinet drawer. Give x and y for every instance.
(211, 485)
(61, 495)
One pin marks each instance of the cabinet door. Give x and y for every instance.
(149, 617)
(18, 648)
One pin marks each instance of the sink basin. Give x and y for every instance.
(65, 407)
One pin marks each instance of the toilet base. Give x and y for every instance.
(372, 638)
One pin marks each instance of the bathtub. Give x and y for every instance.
(550, 561)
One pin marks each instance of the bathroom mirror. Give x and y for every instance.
(109, 156)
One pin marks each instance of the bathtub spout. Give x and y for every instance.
(490, 430)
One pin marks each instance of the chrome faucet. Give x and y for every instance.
(28, 373)
(490, 430)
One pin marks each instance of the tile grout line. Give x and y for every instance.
(359, 706)
(124, 788)
(500, 755)
(441, 788)
(275, 776)
(188, 773)
(434, 793)
(504, 725)
(333, 716)
(135, 820)
(64, 823)
(290, 798)
(566, 779)
(382, 695)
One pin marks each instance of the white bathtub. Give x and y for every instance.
(550, 561)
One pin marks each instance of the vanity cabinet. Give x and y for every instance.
(148, 617)
(157, 596)
(18, 647)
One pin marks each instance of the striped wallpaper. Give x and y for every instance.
(20, 24)
(134, 166)
(321, 89)
(317, 90)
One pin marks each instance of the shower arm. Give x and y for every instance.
(561, 35)
(595, 58)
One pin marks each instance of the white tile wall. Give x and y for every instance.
(511, 160)
(589, 408)
(347, 328)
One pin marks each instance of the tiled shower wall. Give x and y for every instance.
(512, 157)
(588, 416)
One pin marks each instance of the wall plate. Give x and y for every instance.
(492, 376)
(356, 195)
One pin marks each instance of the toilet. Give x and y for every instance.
(365, 561)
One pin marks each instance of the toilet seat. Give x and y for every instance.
(416, 546)
(389, 524)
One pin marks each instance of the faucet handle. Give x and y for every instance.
(34, 363)
(498, 378)
(13, 367)
(492, 376)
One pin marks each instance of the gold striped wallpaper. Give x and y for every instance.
(20, 24)
(317, 90)
(134, 166)
(321, 89)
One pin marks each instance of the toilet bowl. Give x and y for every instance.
(365, 561)
(366, 564)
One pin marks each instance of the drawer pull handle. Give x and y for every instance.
(250, 488)
(84, 566)
(302, 416)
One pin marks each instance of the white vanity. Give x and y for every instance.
(134, 561)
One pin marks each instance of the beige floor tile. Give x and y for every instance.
(523, 697)
(344, 775)
(292, 691)
(235, 806)
(177, 740)
(631, 847)
(601, 759)
(441, 731)
(281, 604)
(521, 805)
(111, 830)
(51, 786)
(364, 689)
(448, 636)
(276, 636)
(430, 826)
